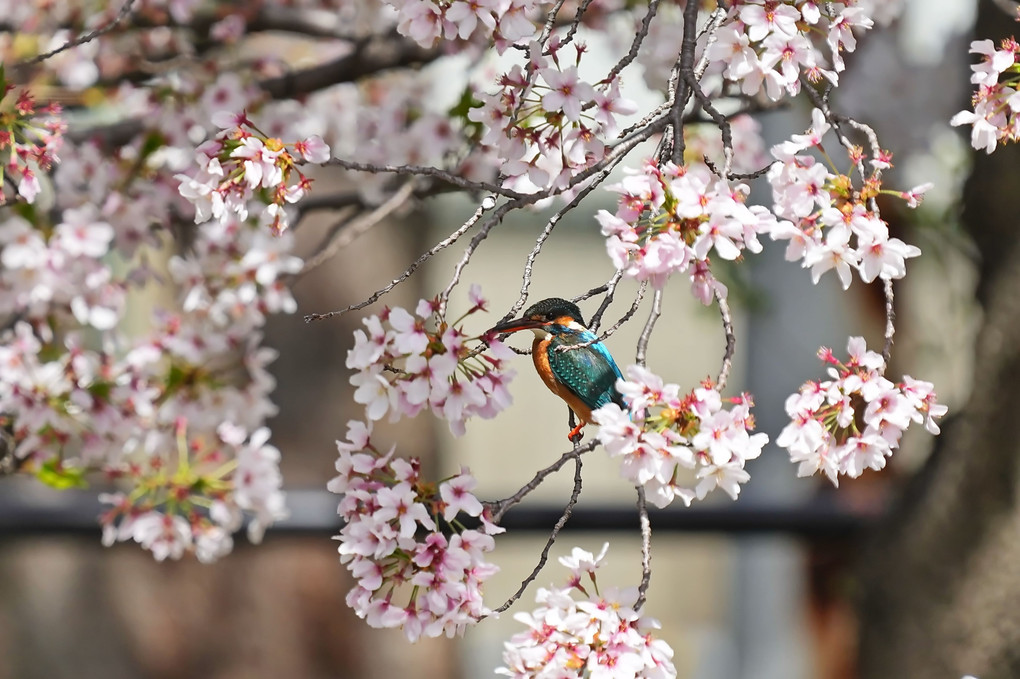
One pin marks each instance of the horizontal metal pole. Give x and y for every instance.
(26, 512)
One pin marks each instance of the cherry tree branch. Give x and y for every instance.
(890, 320)
(370, 56)
(641, 354)
(441, 245)
(638, 297)
(346, 232)
(635, 45)
(125, 10)
(646, 547)
(610, 290)
(551, 224)
(731, 341)
(425, 171)
(688, 45)
(544, 556)
(500, 507)
(578, 15)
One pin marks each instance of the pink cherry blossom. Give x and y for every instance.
(824, 434)
(666, 442)
(597, 633)
(392, 544)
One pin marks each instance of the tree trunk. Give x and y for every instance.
(940, 592)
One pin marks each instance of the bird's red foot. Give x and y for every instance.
(576, 433)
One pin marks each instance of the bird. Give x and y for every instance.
(584, 377)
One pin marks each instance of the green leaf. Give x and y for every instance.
(55, 475)
(460, 110)
(152, 143)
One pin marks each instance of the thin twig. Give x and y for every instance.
(469, 251)
(550, 22)
(125, 10)
(869, 133)
(635, 45)
(500, 507)
(658, 114)
(544, 556)
(641, 354)
(578, 15)
(441, 245)
(709, 30)
(425, 171)
(551, 224)
(731, 341)
(821, 101)
(359, 225)
(630, 312)
(646, 548)
(721, 121)
(616, 326)
(610, 289)
(890, 320)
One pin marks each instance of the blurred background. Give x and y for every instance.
(911, 572)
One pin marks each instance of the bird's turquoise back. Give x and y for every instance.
(589, 372)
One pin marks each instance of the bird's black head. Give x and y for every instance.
(543, 314)
(552, 309)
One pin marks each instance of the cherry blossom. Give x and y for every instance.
(830, 224)
(854, 421)
(678, 446)
(239, 162)
(670, 219)
(996, 102)
(546, 123)
(417, 568)
(580, 629)
(769, 44)
(30, 138)
(423, 361)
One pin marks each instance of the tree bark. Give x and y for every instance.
(940, 593)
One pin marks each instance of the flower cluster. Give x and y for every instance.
(427, 21)
(196, 501)
(236, 274)
(547, 124)
(854, 421)
(30, 136)
(406, 362)
(678, 446)
(62, 273)
(241, 165)
(669, 219)
(154, 418)
(996, 114)
(575, 632)
(400, 120)
(417, 566)
(766, 44)
(830, 224)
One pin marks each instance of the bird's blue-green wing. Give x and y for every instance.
(590, 372)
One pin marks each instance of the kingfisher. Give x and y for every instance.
(584, 377)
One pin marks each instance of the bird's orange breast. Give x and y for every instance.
(540, 356)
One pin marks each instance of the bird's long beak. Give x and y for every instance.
(515, 325)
